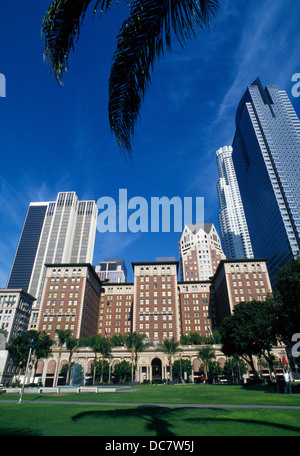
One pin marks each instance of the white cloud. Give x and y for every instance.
(261, 50)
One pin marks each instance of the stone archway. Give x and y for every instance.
(50, 373)
(156, 367)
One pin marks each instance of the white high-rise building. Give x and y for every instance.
(54, 232)
(235, 237)
(200, 251)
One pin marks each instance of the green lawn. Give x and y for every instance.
(50, 419)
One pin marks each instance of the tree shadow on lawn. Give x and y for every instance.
(278, 426)
(156, 418)
(9, 431)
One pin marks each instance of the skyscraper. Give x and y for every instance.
(54, 232)
(200, 251)
(23, 262)
(235, 238)
(266, 158)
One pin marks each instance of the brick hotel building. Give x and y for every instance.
(70, 300)
(155, 304)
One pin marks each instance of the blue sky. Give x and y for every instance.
(56, 138)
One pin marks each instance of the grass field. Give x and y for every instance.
(39, 415)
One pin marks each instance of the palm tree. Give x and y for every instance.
(101, 345)
(63, 336)
(135, 343)
(170, 347)
(141, 40)
(71, 345)
(105, 350)
(206, 354)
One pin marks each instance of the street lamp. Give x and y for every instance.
(109, 368)
(181, 381)
(31, 347)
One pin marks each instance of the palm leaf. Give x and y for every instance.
(142, 39)
(61, 28)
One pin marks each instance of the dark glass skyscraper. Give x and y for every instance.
(266, 150)
(20, 273)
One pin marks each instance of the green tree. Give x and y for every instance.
(235, 368)
(214, 369)
(214, 338)
(118, 340)
(19, 347)
(180, 366)
(206, 354)
(249, 331)
(135, 343)
(122, 372)
(170, 347)
(287, 301)
(142, 39)
(185, 339)
(102, 370)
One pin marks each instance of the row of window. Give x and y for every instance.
(155, 317)
(62, 302)
(10, 299)
(116, 323)
(65, 280)
(248, 284)
(155, 277)
(49, 327)
(57, 272)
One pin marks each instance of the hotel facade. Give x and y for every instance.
(155, 304)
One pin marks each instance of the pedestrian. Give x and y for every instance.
(287, 383)
(274, 382)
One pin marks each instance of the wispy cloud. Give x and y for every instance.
(262, 41)
(110, 245)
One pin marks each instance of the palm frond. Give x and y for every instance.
(61, 28)
(142, 39)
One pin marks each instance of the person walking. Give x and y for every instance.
(287, 383)
(274, 382)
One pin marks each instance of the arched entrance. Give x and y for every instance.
(156, 369)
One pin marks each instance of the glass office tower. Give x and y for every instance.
(235, 237)
(20, 273)
(62, 231)
(266, 158)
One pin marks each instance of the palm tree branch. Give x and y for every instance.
(61, 29)
(141, 40)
